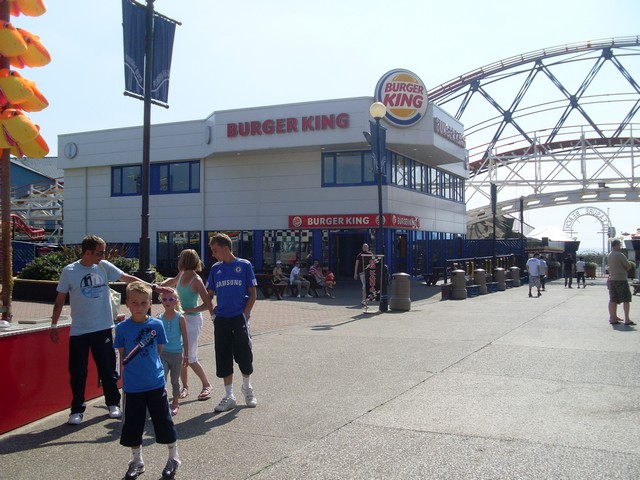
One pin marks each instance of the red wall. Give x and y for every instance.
(34, 377)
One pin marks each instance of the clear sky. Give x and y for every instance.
(238, 54)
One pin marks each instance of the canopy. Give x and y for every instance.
(554, 234)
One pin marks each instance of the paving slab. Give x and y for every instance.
(492, 387)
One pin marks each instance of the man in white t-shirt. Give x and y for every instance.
(533, 269)
(86, 281)
(580, 272)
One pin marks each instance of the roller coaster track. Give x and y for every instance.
(551, 126)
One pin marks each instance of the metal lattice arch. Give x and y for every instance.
(551, 127)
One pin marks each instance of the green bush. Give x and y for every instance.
(50, 266)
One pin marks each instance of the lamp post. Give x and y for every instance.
(378, 146)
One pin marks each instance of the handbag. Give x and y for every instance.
(114, 297)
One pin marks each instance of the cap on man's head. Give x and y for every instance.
(279, 262)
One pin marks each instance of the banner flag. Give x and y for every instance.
(163, 35)
(134, 24)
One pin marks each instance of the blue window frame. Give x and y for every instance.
(164, 178)
(126, 180)
(356, 168)
(175, 177)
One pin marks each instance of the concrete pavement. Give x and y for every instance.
(499, 386)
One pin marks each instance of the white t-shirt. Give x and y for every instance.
(580, 266)
(533, 266)
(88, 289)
(542, 269)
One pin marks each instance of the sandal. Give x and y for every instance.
(205, 393)
(184, 392)
(630, 322)
(174, 410)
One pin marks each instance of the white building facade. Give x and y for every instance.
(285, 182)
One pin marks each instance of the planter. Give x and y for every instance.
(590, 271)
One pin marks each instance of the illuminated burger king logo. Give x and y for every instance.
(404, 95)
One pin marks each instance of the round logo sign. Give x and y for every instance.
(404, 95)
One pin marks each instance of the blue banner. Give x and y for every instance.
(134, 24)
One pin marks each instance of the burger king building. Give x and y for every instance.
(286, 182)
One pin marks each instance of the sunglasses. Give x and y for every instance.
(168, 299)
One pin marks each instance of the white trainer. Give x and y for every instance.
(249, 397)
(114, 411)
(227, 403)
(75, 418)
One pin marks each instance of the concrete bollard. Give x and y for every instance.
(400, 290)
(480, 279)
(459, 285)
(499, 276)
(515, 276)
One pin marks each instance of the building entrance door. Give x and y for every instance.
(343, 248)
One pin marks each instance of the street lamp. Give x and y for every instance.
(378, 146)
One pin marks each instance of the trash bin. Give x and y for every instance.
(515, 276)
(459, 285)
(499, 277)
(480, 279)
(400, 290)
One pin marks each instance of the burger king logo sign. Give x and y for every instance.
(404, 95)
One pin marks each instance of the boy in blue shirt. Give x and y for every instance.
(139, 339)
(234, 283)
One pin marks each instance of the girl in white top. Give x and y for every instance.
(189, 287)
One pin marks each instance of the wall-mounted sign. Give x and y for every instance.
(279, 126)
(404, 95)
(364, 220)
(444, 130)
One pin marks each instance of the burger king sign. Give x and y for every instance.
(404, 95)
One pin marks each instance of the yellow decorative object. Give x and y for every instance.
(36, 102)
(11, 42)
(13, 88)
(18, 126)
(30, 8)
(35, 56)
(36, 148)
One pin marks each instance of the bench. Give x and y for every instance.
(433, 277)
(314, 286)
(268, 288)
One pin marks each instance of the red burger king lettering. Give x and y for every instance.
(365, 220)
(288, 125)
(404, 95)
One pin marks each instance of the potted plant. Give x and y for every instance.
(553, 269)
(590, 269)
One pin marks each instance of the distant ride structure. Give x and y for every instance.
(550, 127)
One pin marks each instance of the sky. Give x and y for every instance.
(251, 53)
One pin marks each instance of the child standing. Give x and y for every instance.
(139, 339)
(174, 354)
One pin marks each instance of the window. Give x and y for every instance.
(170, 244)
(357, 168)
(347, 168)
(164, 178)
(175, 177)
(126, 180)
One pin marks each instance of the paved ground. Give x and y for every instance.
(494, 387)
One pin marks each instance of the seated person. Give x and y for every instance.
(297, 280)
(316, 271)
(278, 273)
(330, 281)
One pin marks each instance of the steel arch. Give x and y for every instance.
(550, 122)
